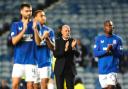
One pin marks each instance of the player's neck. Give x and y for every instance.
(42, 24)
(108, 35)
(25, 19)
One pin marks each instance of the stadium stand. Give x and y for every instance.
(86, 19)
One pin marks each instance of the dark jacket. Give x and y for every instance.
(64, 60)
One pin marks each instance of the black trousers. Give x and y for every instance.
(68, 77)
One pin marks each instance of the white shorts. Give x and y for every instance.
(24, 70)
(108, 79)
(45, 72)
(37, 79)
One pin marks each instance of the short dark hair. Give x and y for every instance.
(36, 12)
(25, 5)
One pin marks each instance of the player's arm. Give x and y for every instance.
(119, 50)
(97, 51)
(37, 38)
(49, 36)
(16, 37)
(36, 33)
(50, 43)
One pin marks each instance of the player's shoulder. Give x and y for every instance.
(48, 28)
(117, 37)
(98, 37)
(17, 22)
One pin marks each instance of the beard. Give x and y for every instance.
(27, 17)
(110, 32)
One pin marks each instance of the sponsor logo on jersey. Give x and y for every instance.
(20, 28)
(28, 37)
(114, 42)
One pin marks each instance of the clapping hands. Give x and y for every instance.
(25, 23)
(45, 35)
(74, 42)
(109, 48)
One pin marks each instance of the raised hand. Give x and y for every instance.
(25, 23)
(34, 25)
(74, 42)
(66, 45)
(45, 35)
(109, 48)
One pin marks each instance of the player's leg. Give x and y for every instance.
(37, 80)
(15, 83)
(51, 84)
(44, 82)
(37, 86)
(17, 73)
(30, 85)
(51, 81)
(30, 72)
(45, 73)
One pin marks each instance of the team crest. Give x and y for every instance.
(114, 42)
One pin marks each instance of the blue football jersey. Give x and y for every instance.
(108, 62)
(43, 53)
(25, 48)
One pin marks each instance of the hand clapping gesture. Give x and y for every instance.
(74, 42)
(45, 35)
(34, 25)
(109, 48)
(25, 23)
(66, 46)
